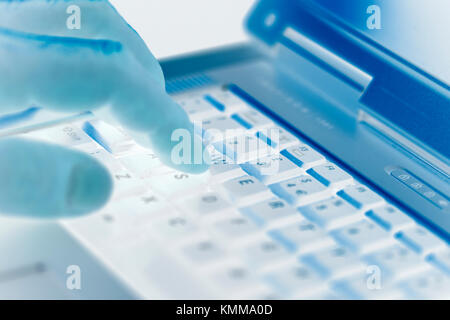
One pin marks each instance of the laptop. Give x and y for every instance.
(358, 208)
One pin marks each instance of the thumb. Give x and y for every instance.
(49, 181)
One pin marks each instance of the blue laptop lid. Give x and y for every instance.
(402, 45)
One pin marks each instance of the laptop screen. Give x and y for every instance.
(416, 30)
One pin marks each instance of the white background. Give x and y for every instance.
(173, 27)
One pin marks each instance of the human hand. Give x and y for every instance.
(103, 65)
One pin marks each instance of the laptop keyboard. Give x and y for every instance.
(308, 230)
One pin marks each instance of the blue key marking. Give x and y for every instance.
(349, 199)
(13, 118)
(382, 223)
(277, 236)
(408, 242)
(219, 106)
(241, 121)
(312, 262)
(90, 130)
(293, 159)
(266, 139)
(431, 258)
(321, 179)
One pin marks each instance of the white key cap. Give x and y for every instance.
(390, 218)
(204, 251)
(297, 281)
(304, 156)
(226, 101)
(331, 175)
(236, 227)
(107, 159)
(244, 148)
(363, 236)
(174, 228)
(246, 190)
(69, 135)
(420, 240)
(220, 128)
(252, 119)
(198, 108)
(277, 138)
(206, 204)
(335, 262)
(441, 260)
(331, 213)
(141, 164)
(303, 236)
(361, 197)
(301, 190)
(397, 262)
(236, 280)
(177, 183)
(113, 139)
(431, 284)
(223, 168)
(272, 212)
(126, 184)
(266, 253)
(272, 169)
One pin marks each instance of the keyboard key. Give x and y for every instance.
(271, 212)
(303, 236)
(141, 164)
(420, 240)
(397, 262)
(272, 169)
(252, 119)
(297, 281)
(334, 262)
(107, 160)
(244, 148)
(112, 139)
(331, 213)
(304, 156)
(277, 138)
(361, 197)
(223, 170)
(236, 227)
(225, 101)
(246, 190)
(175, 227)
(236, 280)
(431, 284)
(266, 253)
(206, 204)
(331, 175)
(390, 218)
(198, 108)
(300, 190)
(441, 260)
(176, 183)
(203, 252)
(126, 184)
(221, 128)
(69, 135)
(363, 236)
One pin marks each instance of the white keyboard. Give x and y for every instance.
(309, 230)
